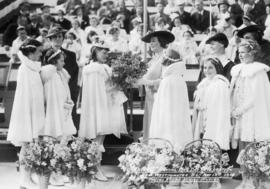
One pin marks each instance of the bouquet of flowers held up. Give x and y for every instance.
(143, 160)
(77, 158)
(38, 155)
(127, 68)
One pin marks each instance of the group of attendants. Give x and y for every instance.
(231, 102)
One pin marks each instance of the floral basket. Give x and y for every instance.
(77, 158)
(145, 159)
(38, 155)
(204, 158)
(255, 161)
(127, 68)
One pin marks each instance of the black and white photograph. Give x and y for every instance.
(135, 94)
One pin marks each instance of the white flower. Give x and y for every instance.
(80, 163)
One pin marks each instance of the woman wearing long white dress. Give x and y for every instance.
(102, 110)
(158, 42)
(211, 118)
(27, 117)
(171, 115)
(58, 103)
(250, 98)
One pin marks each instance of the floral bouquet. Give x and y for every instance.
(126, 69)
(77, 158)
(143, 160)
(38, 155)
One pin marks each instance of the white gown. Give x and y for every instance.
(212, 100)
(171, 115)
(27, 117)
(102, 110)
(250, 92)
(58, 120)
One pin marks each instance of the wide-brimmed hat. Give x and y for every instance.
(250, 29)
(219, 37)
(167, 36)
(55, 31)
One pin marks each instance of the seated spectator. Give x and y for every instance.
(71, 4)
(78, 31)
(32, 29)
(160, 14)
(115, 42)
(123, 34)
(91, 7)
(47, 21)
(225, 26)
(257, 10)
(232, 48)
(236, 13)
(43, 38)
(107, 13)
(223, 10)
(205, 49)
(189, 48)
(136, 22)
(183, 15)
(122, 10)
(16, 44)
(170, 7)
(79, 15)
(70, 43)
(246, 22)
(94, 26)
(178, 28)
(161, 25)
(62, 21)
(200, 18)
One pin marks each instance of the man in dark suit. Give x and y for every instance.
(32, 29)
(56, 36)
(160, 14)
(200, 18)
(183, 15)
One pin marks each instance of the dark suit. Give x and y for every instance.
(185, 18)
(200, 22)
(33, 31)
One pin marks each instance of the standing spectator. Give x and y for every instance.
(62, 21)
(160, 14)
(79, 15)
(219, 43)
(56, 37)
(200, 18)
(184, 16)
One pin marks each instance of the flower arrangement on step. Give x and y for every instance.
(77, 158)
(127, 68)
(38, 155)
(204, 159)
(143, 160)
(255, 161)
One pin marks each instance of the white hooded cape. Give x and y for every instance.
(254, 124)
(214, 97)
(58, 120)
(171, 115)
(102, 110)
(27, 117)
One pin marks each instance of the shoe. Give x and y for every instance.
(237, 177)
(100, 176)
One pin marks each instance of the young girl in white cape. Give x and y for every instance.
(211, 117)
(58, 103)
(171, 115)
(27, 117)
(102, 110)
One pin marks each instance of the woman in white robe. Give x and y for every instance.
(211, 118)
(102, 110)
(250, 99)
(27, 117)
(158, 41)
(58, 103)
(171, 115)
